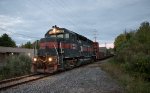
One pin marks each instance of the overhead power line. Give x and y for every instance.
(14, 33)
(65, 14)
(50, 12)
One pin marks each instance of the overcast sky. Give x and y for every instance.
(29, 20)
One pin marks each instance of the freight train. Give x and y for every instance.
(63, 49)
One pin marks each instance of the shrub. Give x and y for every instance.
(140, 64)
(16, 66)
(133, 51)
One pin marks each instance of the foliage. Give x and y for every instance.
(130, 83)
(30, 45)
(133, 51)
(16, 66)
(119, 41)
(27, 45)
(6, 41)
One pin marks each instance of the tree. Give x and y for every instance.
(119, 41)
(27, 45)
(133, 51)
(143, 37)
(6, 41)
(143, 33)
(30, 45)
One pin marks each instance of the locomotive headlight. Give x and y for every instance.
(54, 30)
(34, 59)
(50, 59)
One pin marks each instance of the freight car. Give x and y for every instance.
(62, 49)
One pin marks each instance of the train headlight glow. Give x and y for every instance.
(54, 30)
(34, 59)
(50, 59)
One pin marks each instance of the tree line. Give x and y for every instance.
(7, 41)
(133, 51)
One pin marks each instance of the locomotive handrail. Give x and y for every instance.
(61, 52)
(56, 51)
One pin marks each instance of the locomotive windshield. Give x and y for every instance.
(57, 36)
(62, 35)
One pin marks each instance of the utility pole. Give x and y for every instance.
(95, 34)
(105, 44)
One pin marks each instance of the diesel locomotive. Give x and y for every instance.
(63, 49)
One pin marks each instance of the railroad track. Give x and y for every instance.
(5, 84)
(8, 83)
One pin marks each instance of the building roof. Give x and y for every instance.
(15, 50)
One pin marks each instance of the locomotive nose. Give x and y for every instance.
(48, 47)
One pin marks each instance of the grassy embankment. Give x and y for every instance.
(130, 83)
(15, 66)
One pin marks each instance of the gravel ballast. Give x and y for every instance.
(86, 79)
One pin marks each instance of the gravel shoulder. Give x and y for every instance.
(87, 79)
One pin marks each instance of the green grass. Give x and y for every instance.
(130, 83)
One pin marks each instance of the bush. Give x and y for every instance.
(133, 51)
(140, 65)
(130, 83)
(16, 66)
(137, 65)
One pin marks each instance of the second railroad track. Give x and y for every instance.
(5, 84)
